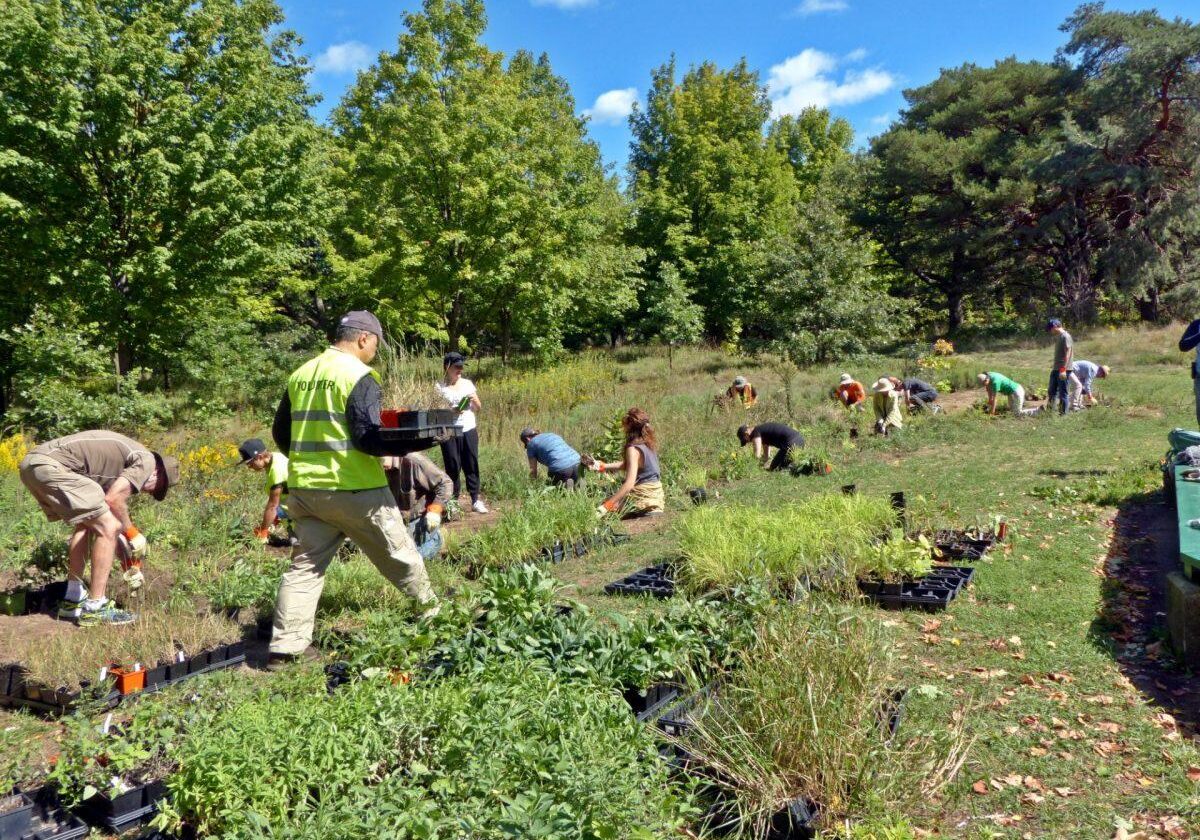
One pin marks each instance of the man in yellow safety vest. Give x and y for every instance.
(328, 424)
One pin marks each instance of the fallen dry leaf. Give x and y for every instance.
(930, 625)
(1064, 792)
(980, 787)
(1109, 726)
(1193, 774)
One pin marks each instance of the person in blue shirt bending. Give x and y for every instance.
(562, 463)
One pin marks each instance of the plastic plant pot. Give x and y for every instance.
(156, 677)
(14, 602)
(237, 651)
(129, 681)
(698, 495)
(849, 489)
(265, 627)
(198, 662)
(16, 816)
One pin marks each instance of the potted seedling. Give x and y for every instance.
(889, 563)
(696, 480)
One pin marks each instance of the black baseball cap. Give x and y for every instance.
(1052, 323)
(251, 449)
(361, 319)
(453, 358)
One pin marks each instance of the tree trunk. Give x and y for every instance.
(955, 311)
(1148, 308)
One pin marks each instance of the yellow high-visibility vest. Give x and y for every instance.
(321, 455)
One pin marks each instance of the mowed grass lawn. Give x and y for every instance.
(1062, 743)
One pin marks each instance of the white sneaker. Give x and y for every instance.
(478, 506)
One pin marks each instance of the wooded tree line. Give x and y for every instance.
(170, 212)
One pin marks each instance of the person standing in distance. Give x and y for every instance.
(1060, 373)
(460, 455)
(328, 424)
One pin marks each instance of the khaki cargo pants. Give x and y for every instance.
(322, 518)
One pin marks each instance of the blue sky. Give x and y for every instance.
(853, 56)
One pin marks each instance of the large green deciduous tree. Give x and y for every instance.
(475, 206)
(157, 164)
(710, 190)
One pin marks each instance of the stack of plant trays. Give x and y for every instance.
(658, 581)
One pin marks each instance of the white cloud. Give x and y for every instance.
(565, 4)
(856, 55)
(613, 106)
(881, 120)
(809, 78)
(346, 57)
(816, 7)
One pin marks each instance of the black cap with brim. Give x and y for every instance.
(168, 467)
(251, 449)
(453, 358)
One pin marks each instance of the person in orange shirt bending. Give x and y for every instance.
(851, 393)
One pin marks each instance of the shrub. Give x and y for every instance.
(721, 547)
(66, 380)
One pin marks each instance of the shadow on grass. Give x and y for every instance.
(1070, 473)
(1131, 623)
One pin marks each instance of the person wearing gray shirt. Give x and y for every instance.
(1064, 352)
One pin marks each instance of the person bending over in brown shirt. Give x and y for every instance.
(86, 480)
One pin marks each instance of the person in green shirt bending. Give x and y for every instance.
(257, 457)
(997, 384)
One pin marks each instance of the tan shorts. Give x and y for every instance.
(62, 494)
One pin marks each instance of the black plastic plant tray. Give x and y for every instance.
(646, 705)
(126, 810)
(15, 823)
(423, 425)
(658, 581)
(958, 576)
(50, 821)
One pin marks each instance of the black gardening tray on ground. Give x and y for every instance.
(930, 592)
(132, 808)
(658, 581)
(15, 691)
(646, 705)
(959, 545)
(40, 816)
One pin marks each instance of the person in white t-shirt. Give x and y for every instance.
(461, 454)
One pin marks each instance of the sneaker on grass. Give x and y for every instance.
(478, 506)
(69, 610)
(106, 613)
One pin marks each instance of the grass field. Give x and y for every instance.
(1067, 733)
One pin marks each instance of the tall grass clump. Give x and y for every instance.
(543, 518)
(827, 535)
(805, 718)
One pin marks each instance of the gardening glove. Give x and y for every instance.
(137, 542)
(433, 517)
(1062, 373)
(609, 506)
(262, 534)
(133, 577)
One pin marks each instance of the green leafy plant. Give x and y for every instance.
(897, 558)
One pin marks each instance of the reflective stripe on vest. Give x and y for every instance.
(322, 455)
